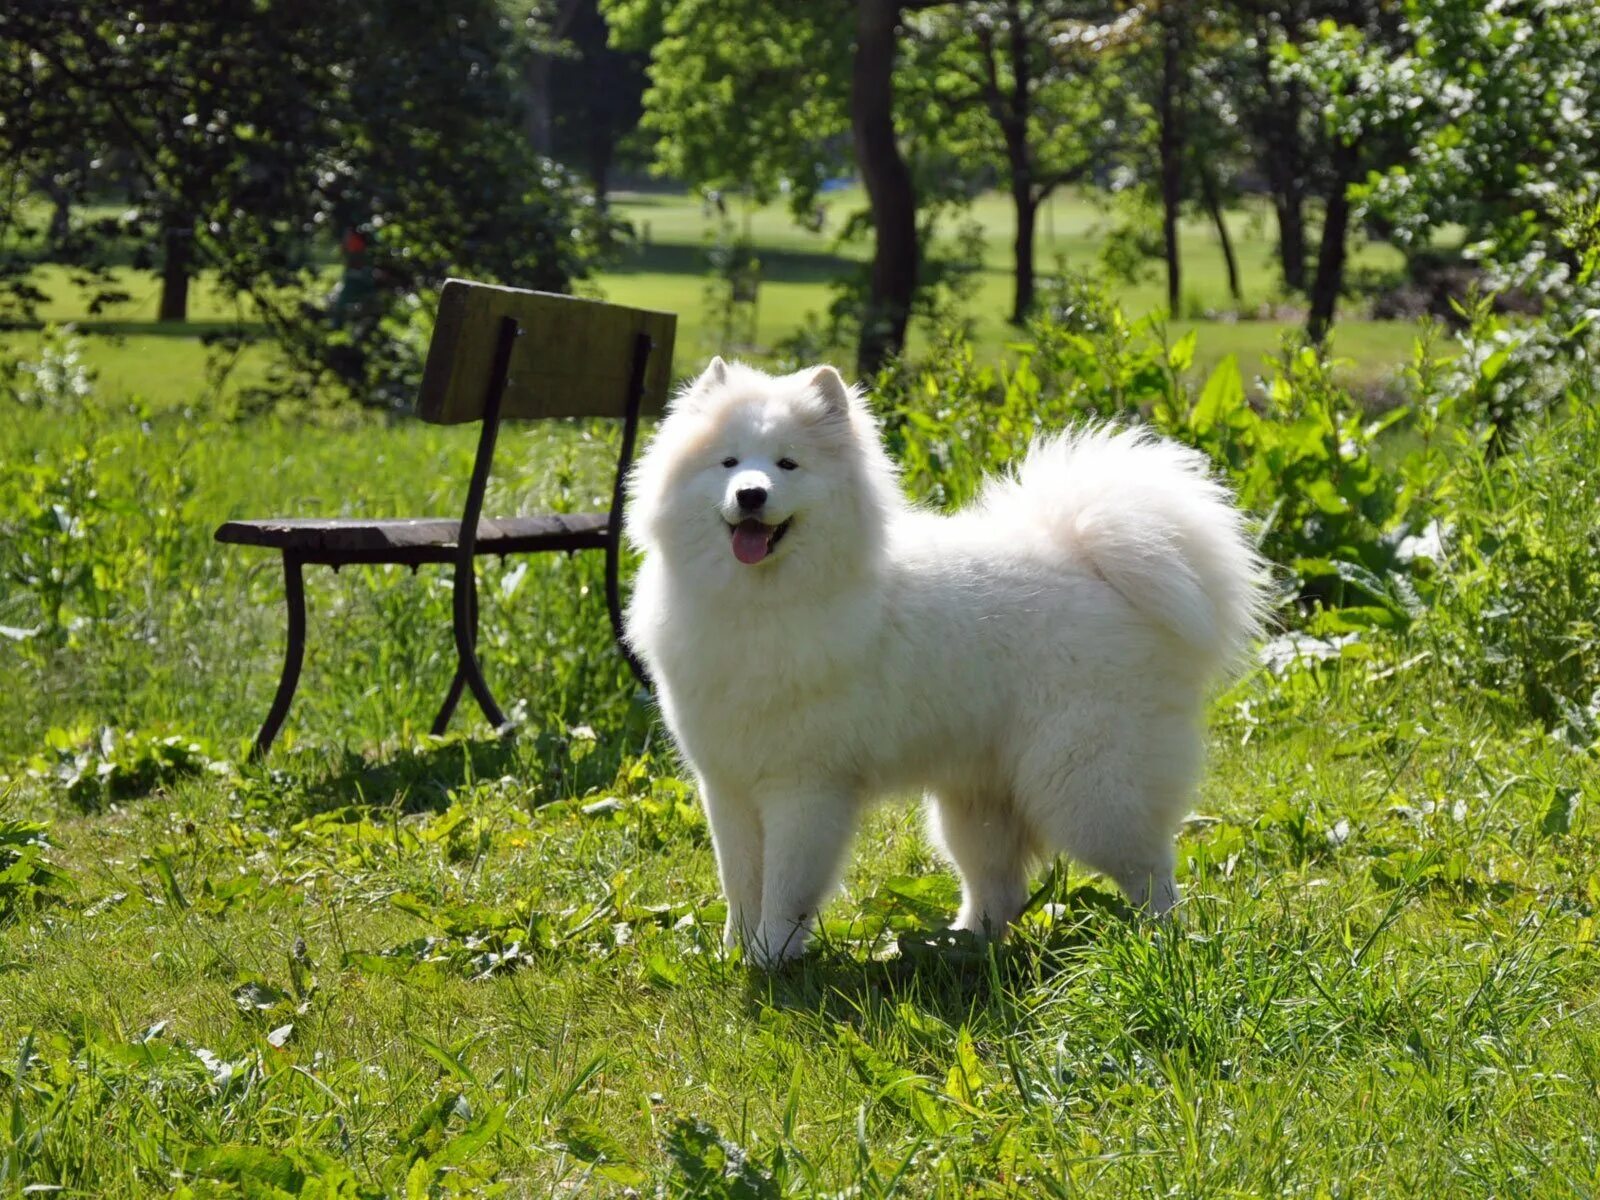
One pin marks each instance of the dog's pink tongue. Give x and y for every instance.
(750, 541)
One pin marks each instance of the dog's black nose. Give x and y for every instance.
(751, 499)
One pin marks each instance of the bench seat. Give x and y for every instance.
(416, 539)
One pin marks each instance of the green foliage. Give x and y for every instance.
(59, 378)
(27, 877)
(259, 138)
(87, 520)
(1521, 615)
(732, 293)
(1510, 369)
(92, 769)
(710, 1165)
(1302, 455)
(1498, 108)
(952, 417)
(750, 97)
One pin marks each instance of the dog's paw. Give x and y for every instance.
(772, 947)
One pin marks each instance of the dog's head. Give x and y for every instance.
(750, 471)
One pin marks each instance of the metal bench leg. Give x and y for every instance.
(459, 681)
(614, 609)
(642, 346)
(466, 585)
(294, 594)
(466, 592)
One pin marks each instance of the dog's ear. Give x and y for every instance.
(830, 385)
(715, 374)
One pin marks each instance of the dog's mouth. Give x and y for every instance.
(753, 540)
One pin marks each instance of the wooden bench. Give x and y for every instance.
(497, 353)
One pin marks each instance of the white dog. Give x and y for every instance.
(1037, 663)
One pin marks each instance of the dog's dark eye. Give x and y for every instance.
(787, 464)
(730, 462)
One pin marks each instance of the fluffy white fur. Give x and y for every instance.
(1036, 663)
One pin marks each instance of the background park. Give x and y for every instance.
(1351, 250)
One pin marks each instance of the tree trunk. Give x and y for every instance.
(1277, 129)
(1015, 126)
(1171, 149)
(1285, 176)
(602, 148)
(60, 211)
(539, 123)
(177, 247)
(893, 277)
(1329, 282)
(60, 220)
(1027, 216)
(1213, 203)
(1288, 202)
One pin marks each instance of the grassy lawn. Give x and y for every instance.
(386, 964)
(668, 269)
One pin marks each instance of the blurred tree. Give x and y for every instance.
(1499, 107)
(1347, 67)
(597, 97)
(1270, 66)
(1032, 88)
(1183, 145)
(896, 253)
(1172, 28)
(1216, 147)
(757, 95)
(251, 134)
(1273, 111)
(744, 96)
(545, 28)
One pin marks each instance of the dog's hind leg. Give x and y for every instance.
(1151, 885)
(1128, 839)
(736, 836)
(805, 836)
(1116, 809)
(984, 836)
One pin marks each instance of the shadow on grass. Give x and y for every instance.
(642, 198)
(544, 760)
(419, 780)
(944, 973)
(250, 331)
(777, 266)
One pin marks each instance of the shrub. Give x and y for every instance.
(1519, 615)
(1302, 455)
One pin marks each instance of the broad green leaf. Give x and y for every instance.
(1222, 395)
(1562, 809)
(1180, 356)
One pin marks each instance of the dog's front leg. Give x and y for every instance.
(736, 836)
(805, 836)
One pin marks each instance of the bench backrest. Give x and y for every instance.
(573, 359)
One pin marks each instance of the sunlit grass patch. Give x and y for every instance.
(382, 963)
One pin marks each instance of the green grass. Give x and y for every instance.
(1072, 230)
(668, 269)
(388, 964)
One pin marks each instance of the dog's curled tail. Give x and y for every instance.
(1149, 517)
